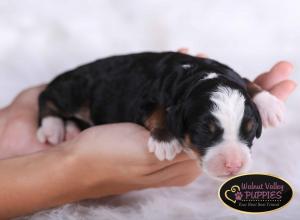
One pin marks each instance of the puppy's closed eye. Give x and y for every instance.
(248, 125)
(213, 130)
(211, 127)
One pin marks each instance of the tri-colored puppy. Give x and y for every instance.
(187, 103)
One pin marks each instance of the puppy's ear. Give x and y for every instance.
(259, 128)
(258, 119)
(175, 120)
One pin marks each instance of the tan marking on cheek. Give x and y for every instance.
(84, 114)
(211, 127)
(50, 107)
(156, 119)
(187, 144)
(187, 141)
(249, 125)
(253, 88)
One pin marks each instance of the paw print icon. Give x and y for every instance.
(238, 196)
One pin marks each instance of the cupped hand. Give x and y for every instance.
(120, 148)
(119, 153)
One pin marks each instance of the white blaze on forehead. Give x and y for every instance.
(229, 110)
(210, 76)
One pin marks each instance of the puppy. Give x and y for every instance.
(187, 103)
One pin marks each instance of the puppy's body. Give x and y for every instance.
(179, 98)
(128, 88)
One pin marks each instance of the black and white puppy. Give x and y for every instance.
(188, 103)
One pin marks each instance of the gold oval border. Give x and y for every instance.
(261, 174)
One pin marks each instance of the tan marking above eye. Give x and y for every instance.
(212, 127)
(156, 119)
(249, 125)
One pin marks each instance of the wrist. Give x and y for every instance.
(68, 186)
(41, 180)
(86, 177)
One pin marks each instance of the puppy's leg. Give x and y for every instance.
(162, 143)
(52, 130)
(270, 108)
(58, 121)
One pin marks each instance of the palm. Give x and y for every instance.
(19, 124)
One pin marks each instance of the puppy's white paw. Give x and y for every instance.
(164, 150)
(270, 108)
(52, 130)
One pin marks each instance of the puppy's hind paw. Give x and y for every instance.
(164, 150)
(52, 131)
(270, 108)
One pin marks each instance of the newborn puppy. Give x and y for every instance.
(187, 103)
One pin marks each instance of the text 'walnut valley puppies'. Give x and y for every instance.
(188, 103)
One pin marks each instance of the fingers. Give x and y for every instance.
(177, 174)
(155, 165)
(178, 181)
(185, 50)
(283, 89)
(279, 72)
(201, 55)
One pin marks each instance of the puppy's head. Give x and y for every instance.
(219, 122)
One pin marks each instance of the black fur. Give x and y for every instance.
(128, 88)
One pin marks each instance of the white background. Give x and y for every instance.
(41, 38)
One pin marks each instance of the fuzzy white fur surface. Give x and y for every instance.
(164, 150)
(270, 108)
(52, 130)
(40, 40)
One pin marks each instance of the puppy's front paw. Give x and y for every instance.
(52, 130)
(164, 150)
(270, 108)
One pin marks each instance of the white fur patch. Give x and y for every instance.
(52, 130)
(186, 66)
(215, 158)
(210, 76)
(270, 108)
(164, 150)
(229, 110)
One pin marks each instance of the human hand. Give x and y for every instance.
(101, 161)
(114, 159)
(18, 125)
(277, 81)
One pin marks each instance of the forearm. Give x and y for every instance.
(36, 182)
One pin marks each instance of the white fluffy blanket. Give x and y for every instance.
(41, 39)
